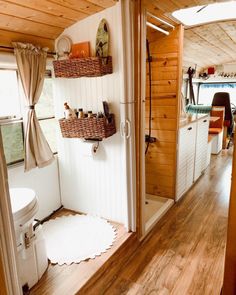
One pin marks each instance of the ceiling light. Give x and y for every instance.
(157, 28)
(206, 13)
(161, 20)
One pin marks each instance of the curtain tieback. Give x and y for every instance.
(31, 107)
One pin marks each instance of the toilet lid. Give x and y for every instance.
(24, 204)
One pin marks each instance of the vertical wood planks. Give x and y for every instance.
(161, 157)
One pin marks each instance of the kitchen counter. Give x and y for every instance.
(191, 118)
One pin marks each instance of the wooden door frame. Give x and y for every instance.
(138, 89)
(8, 253)
(229, 284)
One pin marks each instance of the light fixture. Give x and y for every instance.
(157, 28)
(206, 13)
(160, 20)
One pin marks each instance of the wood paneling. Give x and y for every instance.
(210, 44)
(46, 18)
(7, 37)
(28, 27)
(79, 5)
(34, 15)
(161, 156)
(204, 46)
(166, 112)
(184, 254)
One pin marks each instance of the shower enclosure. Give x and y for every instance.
(159, 121)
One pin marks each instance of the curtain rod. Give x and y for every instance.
(12, 48)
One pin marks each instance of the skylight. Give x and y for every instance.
(206, 13)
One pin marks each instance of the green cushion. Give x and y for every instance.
(198, 109)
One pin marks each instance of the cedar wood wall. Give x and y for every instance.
(166, 52)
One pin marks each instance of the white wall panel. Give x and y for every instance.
(94, 185)
(43, 181)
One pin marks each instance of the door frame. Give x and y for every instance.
(8, 252)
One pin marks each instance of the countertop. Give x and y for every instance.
(191, 118)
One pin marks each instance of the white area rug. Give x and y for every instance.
(73, 238)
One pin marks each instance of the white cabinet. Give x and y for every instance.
(186, 156)
(201, 147)
(192, 154)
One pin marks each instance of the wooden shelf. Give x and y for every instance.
(83, 67)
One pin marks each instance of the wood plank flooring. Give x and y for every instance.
(184, 254)
(68, 279)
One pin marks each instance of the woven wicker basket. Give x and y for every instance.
(93, 128)
(83, 67)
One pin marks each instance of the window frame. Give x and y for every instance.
(214, 82)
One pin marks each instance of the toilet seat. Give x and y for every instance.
(24, 205)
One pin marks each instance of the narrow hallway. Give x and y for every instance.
(185, 252)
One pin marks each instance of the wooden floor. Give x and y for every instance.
(68, 279)
(185, 252)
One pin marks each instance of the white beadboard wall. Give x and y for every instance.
(43, 181)
(94, 185)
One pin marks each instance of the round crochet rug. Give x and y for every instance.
(74, 238)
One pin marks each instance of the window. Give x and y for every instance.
(11, 113)
(207, 91)
(45, 114)
(9, 94)
(206, 13)
(13, 141)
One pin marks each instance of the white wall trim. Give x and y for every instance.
(127, 108)
(7, 235)
(143, 125)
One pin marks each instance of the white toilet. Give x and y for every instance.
(32, 257)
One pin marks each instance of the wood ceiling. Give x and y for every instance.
(206, 45)
(211, 44)
(42, 21)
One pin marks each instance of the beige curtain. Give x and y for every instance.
(31, 63)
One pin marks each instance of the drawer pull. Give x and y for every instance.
(205, 121)
(190, 128)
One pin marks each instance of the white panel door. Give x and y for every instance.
(186, 156)
(181, 164)
(191, 145)
(201, 147)
(204, 145)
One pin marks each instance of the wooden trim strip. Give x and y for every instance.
(8, 252)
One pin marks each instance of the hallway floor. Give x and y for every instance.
(184, 254)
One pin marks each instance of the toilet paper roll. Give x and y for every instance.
(89, 149)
